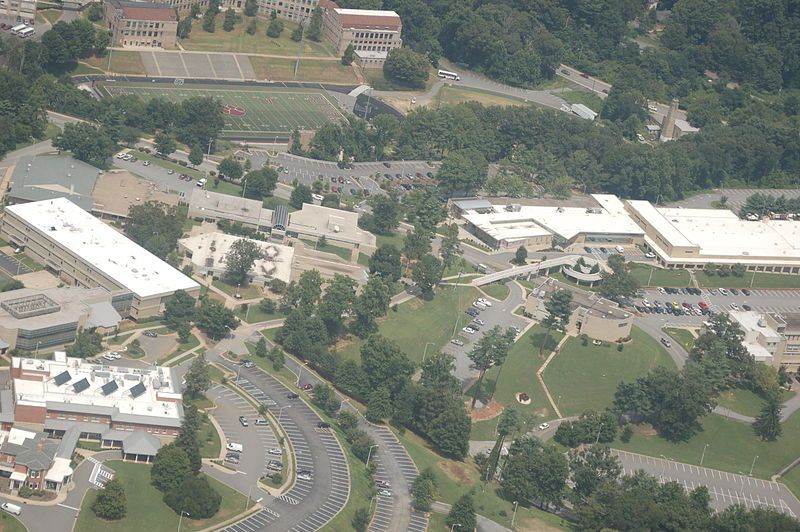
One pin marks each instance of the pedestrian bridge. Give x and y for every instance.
(564, 260)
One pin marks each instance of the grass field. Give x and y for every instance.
(419, 322)
(9, 523)
(247, 292)
(682, 336)
(518, 375)
(259, 43)
(146, 510)
(50, 15)
(456, 95)
(255, 314)
(309, 69)
(589, 99)
(249, 111)
(659, 277)
(746, 402)
(339, 251)
(792, 480)
(586, 377)
(122, 62)
(210, 445)
(731, 447)
(497, 290)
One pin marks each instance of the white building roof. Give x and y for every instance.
(654, 218)
(583, 111)
(210, 251)
(103, 247)
(159, 402)
(367, 12)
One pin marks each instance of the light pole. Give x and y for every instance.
(559, 401)
(280, 412)
(597, 440)
(247, 502)
(753, 465)
(181, 519)
(455, 525)
(425, 352)
(702, 456)
(514, 515)
(369, 454)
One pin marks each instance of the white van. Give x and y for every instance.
(235, 447)
(201, 182)
(11, 508)
(27, 32)
(619, 249)
(17, 29)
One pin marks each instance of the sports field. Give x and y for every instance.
(250, 112)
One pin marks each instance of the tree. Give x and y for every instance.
(297, 34)
(250, 8)
(260, 183)
(95, 12)
(386, 214)
(170, 466)
(111, 503)
(296, 146)
(188, 437)
(231, 169)
(314, 31)
(155, 226)
(450, 247)
(87, 344)
(195, 496)
(240, 259)
(275, 28)
(416, 244)
(165, 144)
(768, 423)
(620, 283)
(385, 364)
(209, 21)
(449, 431)
(424, 490)
(252, 27)
(349, 55)
(361, 518)
(215, 320)
(591, 467)
(179, 309)
(462, 513)
(304, 293)
(462, 171)
(371, 303)
(196, 155)
(510, 423)
(379, 406)
(385, 262)
(261, 348)
(230, 20)
(86, 142)
(559, 310)
(301, 194)
(406, 66)
(198, 380)
(491, 350)
(521, 256)
(184, 28)
(337, 302)
(427, 273)
(325, 398)
(534, 472)
(590, 427)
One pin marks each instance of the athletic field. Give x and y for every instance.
(250, 112)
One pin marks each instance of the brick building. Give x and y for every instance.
(142, 25)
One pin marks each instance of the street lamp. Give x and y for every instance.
(425, 352)
(514, 515)
(181, 519)
(369, 454)
(280, 412)
(597, 440)
(702, 456)
(753, 465)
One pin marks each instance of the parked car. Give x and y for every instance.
(469, 330)
(243, 421)
(307, 387)
(382, 484)
(235, 447)
(457, 341)
(275, 451)
(745, 291)
(304, 475)
(261, 422)
(544, 426)
(292, 395)
(275, 465)
(385, 493)
(747, 307)
(323, 425)
(666, 342)
(150, 334)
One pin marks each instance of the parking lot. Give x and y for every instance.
(725, 488)
(256, 441)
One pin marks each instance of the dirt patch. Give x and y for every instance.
(491, 411)
(457, 472)
(534, 525)
(644, 429)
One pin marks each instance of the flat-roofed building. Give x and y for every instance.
(213, 206)
(369, 31)
(33, 319)
(43, 177)
(296, 10)
(209, 251)
(142, 24)
(336, 225)
(56, 395)
(771, 337)
(18, 11)
(511, 226)
(692, 238)
(83, 251)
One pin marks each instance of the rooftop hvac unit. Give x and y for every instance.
(336, 229)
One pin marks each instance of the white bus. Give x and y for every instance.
(27, 32)
(17, 29)
(449, 75)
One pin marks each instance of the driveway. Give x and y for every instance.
(156, 348)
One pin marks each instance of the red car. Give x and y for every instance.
(307, 387)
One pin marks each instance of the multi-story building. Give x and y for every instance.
(142, 24)
(19, 11)
(771, 337)
(32, 459)
(371, 32)
(83, 251)
(295, 10)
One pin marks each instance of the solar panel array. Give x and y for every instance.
(138, 390)
(80, 386)
(62, 378)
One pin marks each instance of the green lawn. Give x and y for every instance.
(587, 98)
(146, 510)
(396, 239)
(119, 339)
(682, 336)
(746, 402)
(659, 277)
(732, 446)
(50, 15)
(247, 292)
(258, 43)
(255, 314)
(456, 95)
(273, 201)
(29, 262)
(418, 322)
(309, 69)
(748, 280)
(456, 478)
(9, 523)
(339, 251)
(792, 480)
(122, 62)
(363, 259)
(497, 290)
(518, 375)
(460, 265)
(225, 187)
(587, 377)
(209, 438)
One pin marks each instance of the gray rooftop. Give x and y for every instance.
(472, 204)
(6, 406)
(141, 442)
(35, 453)
(45, 177)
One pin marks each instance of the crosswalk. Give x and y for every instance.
(100, 474)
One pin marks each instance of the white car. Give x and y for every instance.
(304, 475)
(127, 157)
(485, 301)
(734, 306)
(385, 493)
(723, 291)
(544, 426)
(120, 155)
(275, 451)
(479, 321)
(650, 255)
(661, 290)
(469, 330)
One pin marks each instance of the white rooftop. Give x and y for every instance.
(719, 232)
(210, 250)
(367, 12)
(103, 247)
(161, 398)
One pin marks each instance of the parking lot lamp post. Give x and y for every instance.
(280, 412)
(514, 515)
(425, 352)
(210, 142)
(369, 454)
(753, 464)
(702, 456)
(181, 519)
(247, 502)
(597, 440)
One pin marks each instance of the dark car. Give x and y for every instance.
(323, 425)
(587, 249)
(292, 395)
(341, 179)
(603, 250)
(321, 177)
(399, 176)
(387, 165)
(352, 191)
(745, 306)
(333, 179)
(734, 291)
(150, 334)
(745, 291)
(429, 174)
(388, 176)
